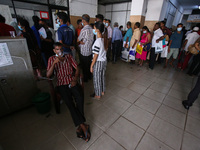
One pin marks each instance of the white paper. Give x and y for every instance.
(5, 58)
(159, 47)
(43, 33)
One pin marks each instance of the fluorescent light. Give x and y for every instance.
(199, 7)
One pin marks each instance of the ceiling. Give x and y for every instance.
(104, 2)
(189, 4)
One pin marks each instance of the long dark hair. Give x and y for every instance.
(99, 25)
(146, 28)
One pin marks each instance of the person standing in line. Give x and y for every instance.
(79, 27)
(85, 41)
(192, 96)
(65, 34)
(109, 30)
(63, 65)
(5, 28)
(99, 17)
(116, 39)
(146, 42)
(71, 26)
(157, 36)
(163, 27)
(52, 31)
(174, 44)
(195, 66)
(128, 35)
(98, 66)
(185, 55)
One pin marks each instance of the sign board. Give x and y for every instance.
(193, 18)
(44, 14)
(5, 57)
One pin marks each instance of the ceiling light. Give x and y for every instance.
(199, 7)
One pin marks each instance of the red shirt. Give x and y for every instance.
(78, 31)
(4, 29)
(64, 70)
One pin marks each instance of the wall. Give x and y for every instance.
(116, 13)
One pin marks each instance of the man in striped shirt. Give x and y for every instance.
(85, 41)
(63, 64)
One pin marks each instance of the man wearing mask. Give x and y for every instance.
(85, 41)
(109, 30)
(65, 34)
(174, 44)
(128, 35)
(157, 36)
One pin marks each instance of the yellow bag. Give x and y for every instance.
(139, 48)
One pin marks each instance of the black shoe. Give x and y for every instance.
(186, 106)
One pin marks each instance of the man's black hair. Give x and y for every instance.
(57, 44)
(78, 21)
(2, 19)
(158, 23)
(86, 17)
(63, 16)
(100, 16)
(179, 24)
(137, 24)
(35, 19)
(163, 22)
(128, 23)
(109, 20)
(43, 20)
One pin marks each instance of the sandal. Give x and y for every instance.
(87, 138)
(80, 134)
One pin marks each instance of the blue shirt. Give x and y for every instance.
(37, 35)
(176, 39)
(117, 34)
(128, 34)
(66, 35)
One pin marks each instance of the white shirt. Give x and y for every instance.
(157, 34)
(109, 32)
(98, 48)
(191, 37)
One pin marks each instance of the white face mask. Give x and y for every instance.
(179, 29)
(59, 53)
(144, 31)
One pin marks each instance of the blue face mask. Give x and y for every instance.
(94, 32)
(58, 21)
(57, 25)
(106, 24)
(82, 24)
(179, 29)
(20, 28)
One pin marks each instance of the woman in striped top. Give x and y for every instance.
(99, 62)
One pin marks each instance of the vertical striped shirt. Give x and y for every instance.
(87, 37)
(64, 70)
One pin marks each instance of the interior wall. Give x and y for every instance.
(119, 12)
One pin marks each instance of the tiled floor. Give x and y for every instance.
(141, 110)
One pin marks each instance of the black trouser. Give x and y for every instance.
(85, 65)
(193, 95)
(152, 58)
(76, 107)
(109, 52)
(195, 66)
(115, 50)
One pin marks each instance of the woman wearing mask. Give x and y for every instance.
(146, 42)
(98, 66)
(34, 52)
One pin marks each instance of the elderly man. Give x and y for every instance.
(116, 39)
(85, 41)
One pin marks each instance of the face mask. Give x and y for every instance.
(57, 25)
(20, 28)
(95, 22)
(144, 31)
(59, 53)
(121, 29)
(179, 29)
(58, 21)
(94, 32)
(106, 24)
(82, 24)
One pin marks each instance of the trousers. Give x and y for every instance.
(193, 95)
(99, 77)
(152, 58)
(195, 66)
(115, 50)
(85, 65)
(76, 107)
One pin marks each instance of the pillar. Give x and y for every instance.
(156, 10)
(138, 11)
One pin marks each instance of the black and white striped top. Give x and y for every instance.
(98, 48)
(87, 37)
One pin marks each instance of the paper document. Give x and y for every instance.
(5, 58)
(43, 33)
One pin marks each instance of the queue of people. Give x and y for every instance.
(95, 45)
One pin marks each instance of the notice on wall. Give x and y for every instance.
(5, 57)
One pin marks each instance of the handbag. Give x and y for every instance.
(125, 54)
(192, 49)
(132, 53)
(159, 47)
(139, 48)
(147, 47)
